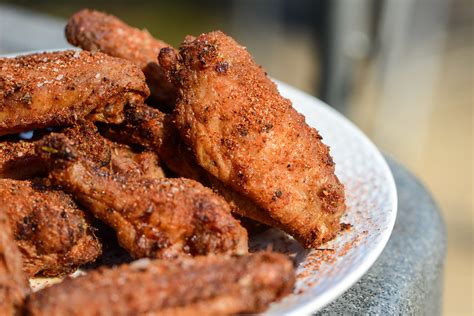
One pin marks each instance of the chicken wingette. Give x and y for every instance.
(159, 218)
(244, 133)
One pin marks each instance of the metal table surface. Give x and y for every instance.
(406, 279)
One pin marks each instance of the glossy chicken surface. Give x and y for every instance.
(57, 89)
(212, 285)
(159, 218)
(243, 132)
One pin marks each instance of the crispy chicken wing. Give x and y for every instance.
(13, 283)
(212, 285)
(97, 31)
(54, 89)
(18, 159)
(152, 217)
(52, 233)
(243, 132)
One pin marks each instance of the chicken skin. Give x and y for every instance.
(244, 133)
(18, 159)
(212, 285)
(155, 131)
(126, 162)
(159, 218)
(57, 89)
(52, 233)
(152, 129)
(96, 31)
(13, 283)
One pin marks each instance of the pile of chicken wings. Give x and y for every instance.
(170, 149)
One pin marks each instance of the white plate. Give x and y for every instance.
(323, 275)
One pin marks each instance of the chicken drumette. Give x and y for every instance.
(158, 218)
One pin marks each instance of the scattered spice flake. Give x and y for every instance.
(345, 227)
(351, 244)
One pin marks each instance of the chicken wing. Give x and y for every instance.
(18, 159)
(52, 233)
(97, 31)
(13, 283)
(159, 218)
(243, 132)
(54, 89)
(212, 285)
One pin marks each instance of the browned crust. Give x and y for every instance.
(156, 131)
(13, 283)
(212, 285)
(160, 218)
(125, 161)
(96, 31)
(54, 89)
(248, 136)
(18, 159)
(52, 233)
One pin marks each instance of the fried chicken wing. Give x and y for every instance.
(243, 132)
(52, 233)
(54, 89)
(97, 31)
(18, 159)
(159, 218)
(13, 283)
(212, 285)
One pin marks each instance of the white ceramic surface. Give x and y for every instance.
(324, 274)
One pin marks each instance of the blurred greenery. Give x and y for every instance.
(168, 20)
